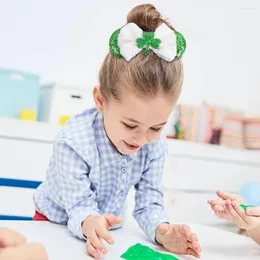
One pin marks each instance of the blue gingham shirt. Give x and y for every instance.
(87, 176)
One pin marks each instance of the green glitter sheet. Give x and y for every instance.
(140, 252)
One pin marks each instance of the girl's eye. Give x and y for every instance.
(130, 127)
(156, 129)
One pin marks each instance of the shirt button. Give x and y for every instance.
(115, 213)
(123, 169)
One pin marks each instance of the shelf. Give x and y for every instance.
(20, 129)
(221, 153)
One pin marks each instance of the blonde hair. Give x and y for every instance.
(147, 75)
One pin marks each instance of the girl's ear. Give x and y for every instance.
(98, 98)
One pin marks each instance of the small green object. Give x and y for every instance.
(140, 252)
(245, 206)
(147, 42)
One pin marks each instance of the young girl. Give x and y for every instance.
(102, 152)
(13, 246)
(228, 207)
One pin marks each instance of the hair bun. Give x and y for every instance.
(146, 17)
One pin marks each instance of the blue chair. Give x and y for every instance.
(6, 182)
(251, 193)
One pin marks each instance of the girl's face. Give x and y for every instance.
(133, 122)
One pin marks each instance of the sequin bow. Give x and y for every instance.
(130, 40)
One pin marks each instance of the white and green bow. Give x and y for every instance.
(130, 40)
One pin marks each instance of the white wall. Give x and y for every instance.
(66, 41)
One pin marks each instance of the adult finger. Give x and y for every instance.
(240, 211)
(235, 216)
(253, 211)
(226, 195)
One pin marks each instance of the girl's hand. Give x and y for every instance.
(96, 228)
(178, 239)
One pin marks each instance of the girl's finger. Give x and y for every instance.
(193, 242)
(96, 242)
(185, 230)
(192, 252)
(103, 233)
(92, 251)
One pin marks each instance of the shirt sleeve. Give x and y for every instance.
(79, 201)
(149, 210)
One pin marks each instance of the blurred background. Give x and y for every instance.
(50, 55)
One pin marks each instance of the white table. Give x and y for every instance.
(61, 245)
